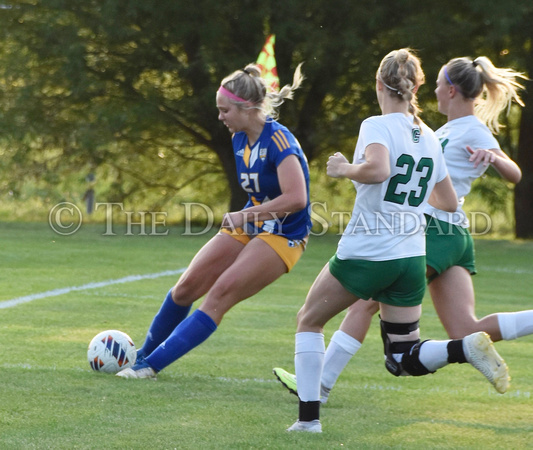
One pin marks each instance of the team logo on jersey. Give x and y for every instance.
(416, 135)
(262, 153)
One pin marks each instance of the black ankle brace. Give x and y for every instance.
(309, 411)
(456, 353)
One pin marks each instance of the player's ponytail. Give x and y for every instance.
(250, 90)
(493, 89)
(401, 73)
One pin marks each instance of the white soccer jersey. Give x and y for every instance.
(454, 136)
(388, 218)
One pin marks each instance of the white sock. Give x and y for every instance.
(434, 354)
(516, 324)
(340, 350)
(308, 361)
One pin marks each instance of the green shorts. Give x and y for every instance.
(398, 282)
(448, 245)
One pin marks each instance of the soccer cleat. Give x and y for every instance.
(139, 370)
(480, 352)
(314, 426)
(288, 380)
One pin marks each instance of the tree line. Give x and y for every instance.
(126, 89)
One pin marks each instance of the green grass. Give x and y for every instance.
(223, 394)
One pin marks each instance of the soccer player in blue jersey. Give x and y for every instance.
(255, 245)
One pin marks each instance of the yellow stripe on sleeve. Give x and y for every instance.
(280, 140)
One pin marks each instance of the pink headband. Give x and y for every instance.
(230, 95)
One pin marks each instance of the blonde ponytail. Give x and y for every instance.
(251, 90)
(493, 89)
(401, 73)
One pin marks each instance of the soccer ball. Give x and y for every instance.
(111, 351)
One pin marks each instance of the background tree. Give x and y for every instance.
(518, 33)
(126, 89)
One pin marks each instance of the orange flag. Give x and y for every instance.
(267, 62)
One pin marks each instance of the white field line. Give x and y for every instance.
(512, 270)
(131, 278)
(84, 287)
(490, 392)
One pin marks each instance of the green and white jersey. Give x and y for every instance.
(388, 218)
(454, 137)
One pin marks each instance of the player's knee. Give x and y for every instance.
(402, 357)
(309, 318)
(460, 330)
(300, 315)
(304, 318)
(371, 306)
(186, 291)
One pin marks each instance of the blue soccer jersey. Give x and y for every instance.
(257, 173)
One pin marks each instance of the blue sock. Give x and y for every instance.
(169, 317)
(188, 334)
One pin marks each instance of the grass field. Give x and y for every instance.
(223, 394)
